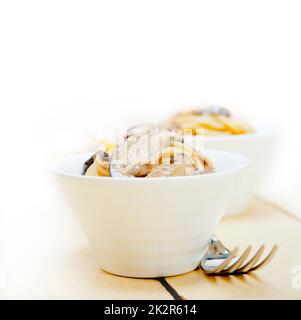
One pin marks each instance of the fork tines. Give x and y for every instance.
(239, 265)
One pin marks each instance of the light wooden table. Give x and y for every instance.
(54, 261)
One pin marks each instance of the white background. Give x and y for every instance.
(71, 71)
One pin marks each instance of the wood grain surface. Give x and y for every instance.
(54, 260)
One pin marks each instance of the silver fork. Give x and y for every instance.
(218, 260)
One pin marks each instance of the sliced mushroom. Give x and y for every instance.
(87, 164)
(92, 171)
(102, 163)
(141, 129)
(127, 158)
(102, 159)
(212, 110)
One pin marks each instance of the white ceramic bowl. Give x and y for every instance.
(150, 227)
(258, 147)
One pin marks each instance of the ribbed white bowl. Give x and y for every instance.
(151, 227)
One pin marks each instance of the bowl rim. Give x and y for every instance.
(245, 163)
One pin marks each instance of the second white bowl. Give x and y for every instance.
(259, 148)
